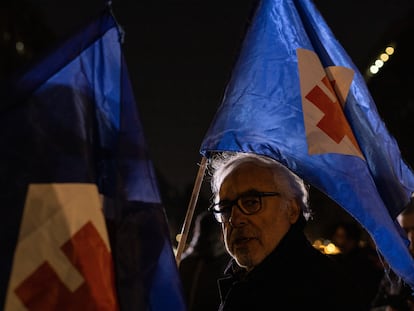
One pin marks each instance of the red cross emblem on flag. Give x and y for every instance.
(63, 259)
(323, 94)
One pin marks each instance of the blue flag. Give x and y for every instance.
(296, 96)
(83, 225)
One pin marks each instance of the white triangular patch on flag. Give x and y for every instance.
(341, 79)
(327, 130)
(53, 213)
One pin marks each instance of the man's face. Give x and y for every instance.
(407, 223)
(250, 238)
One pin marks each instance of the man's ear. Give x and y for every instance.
(293, 211)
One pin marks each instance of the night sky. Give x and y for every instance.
(180, 54)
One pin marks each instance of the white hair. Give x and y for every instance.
(291, 186)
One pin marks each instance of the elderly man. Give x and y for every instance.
(263, 208)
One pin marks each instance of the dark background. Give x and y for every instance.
(180, 54)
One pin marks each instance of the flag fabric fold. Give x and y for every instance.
(84, 226)
(296, 96)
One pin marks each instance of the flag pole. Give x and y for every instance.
(190, 211)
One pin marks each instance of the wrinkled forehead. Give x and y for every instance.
(242, 165)
(246, 177)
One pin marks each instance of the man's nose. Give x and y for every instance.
(237, 218)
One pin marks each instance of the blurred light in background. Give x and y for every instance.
(326, 247)
(380, 61)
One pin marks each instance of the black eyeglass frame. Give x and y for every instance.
(220, 214)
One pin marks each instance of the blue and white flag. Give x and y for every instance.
(296, 96)
(83, 226)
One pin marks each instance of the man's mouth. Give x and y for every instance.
(242, 240)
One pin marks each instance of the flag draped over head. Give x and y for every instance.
(83, 227)
(296, 96)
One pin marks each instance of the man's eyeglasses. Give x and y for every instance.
(248, 203)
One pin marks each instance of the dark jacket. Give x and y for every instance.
(295, 276)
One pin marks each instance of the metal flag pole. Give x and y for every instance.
(190, 211)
